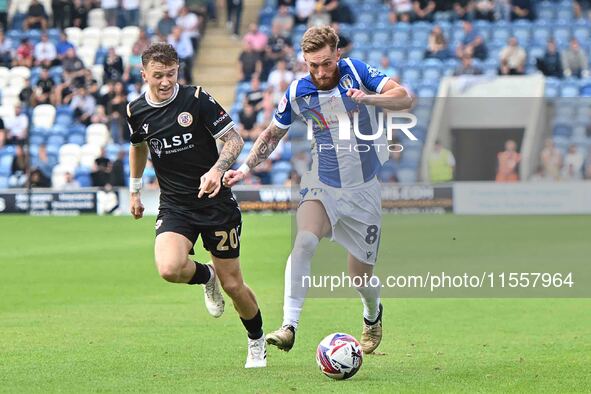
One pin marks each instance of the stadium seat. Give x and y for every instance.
(401, 37)
(87, 55)
(129, 35)
(88, 154)
(569, 89)
(74, 35)
(20, 72)
(125, 53)
(91, 37)
(6, 111)
(110, 37)
(545, 11)
(44, 116)
(4, 77)
(561, 32)
(55, 139)
(83, 177)
(407, 175)
(152, 17)
(96, 18)
(97, 134)
(416, 54)
(562, 130)
(6, 164)
(4, 182)
(76, 138)
(361, 38)
(58, 175)
(69, 155)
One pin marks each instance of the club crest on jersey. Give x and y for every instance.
(346, 82)
(282, 105)
(185, 119)
(156, 146)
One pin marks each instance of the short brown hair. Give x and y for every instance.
(316, 38)
(160, 52)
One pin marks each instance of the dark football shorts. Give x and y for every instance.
(219, 226)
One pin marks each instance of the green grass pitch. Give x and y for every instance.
(82, 309)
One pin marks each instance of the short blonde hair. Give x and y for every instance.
(316, 38)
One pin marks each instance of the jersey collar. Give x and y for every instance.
(165, 102)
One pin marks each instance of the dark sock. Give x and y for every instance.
(201, 276)
(254, 326)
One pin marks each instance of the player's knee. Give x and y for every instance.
(169, 270)
(232, 287)
(305, 242)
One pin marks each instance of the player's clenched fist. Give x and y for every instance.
(356, 95)
(136, 206)
(232, 177)
(210, 183)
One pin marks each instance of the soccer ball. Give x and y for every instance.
(339, 356)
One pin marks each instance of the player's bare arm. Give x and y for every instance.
(138, 156)
(211, 181)
(393, 97)
(261, 150)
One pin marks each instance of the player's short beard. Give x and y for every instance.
(328, 83)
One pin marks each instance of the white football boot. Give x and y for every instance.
(214, 300)
(257, 353)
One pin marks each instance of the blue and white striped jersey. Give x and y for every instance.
(338, 162)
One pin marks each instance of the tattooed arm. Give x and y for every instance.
(211, 181)
(265, 145)
(262, 149)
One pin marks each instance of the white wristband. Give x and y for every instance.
(135, 185)
(244, 169)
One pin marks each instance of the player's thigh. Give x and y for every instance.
(312, 216)
(171, 250)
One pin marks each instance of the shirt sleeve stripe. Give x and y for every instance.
(279, 124)
(228, 127)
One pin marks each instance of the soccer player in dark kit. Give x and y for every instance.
(178, 126)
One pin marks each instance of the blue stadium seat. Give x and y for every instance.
(411, 76)
(407, 175)
(522, 30)
(374, 56)
(361, 38)
(545, 11)
(397, 56)
(535, 52)
(416, 54)
(552, 88)
(6, 164)
(562, 130)
(83, 177)
(55, 140)
(564, 14)
(569, 89)
(37, 139)
(4, 182)
(561, 32)
(64, 119)
(432, 74)
(382, 36)
(76, 138)
(401, 37)
(420, 36)
(501, 33)
(357, 53)
(366, 18)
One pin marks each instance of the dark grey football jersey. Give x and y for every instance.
(181, 134)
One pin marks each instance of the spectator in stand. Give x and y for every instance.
(572, 167)
(522, 9)
(62, 47)
(550, 64)
(130, 13)
(437, 45)
(36, 17)
(43, 89)
(345, 45)
(3, 15)
(112, 66)
(234, 16)
(574, 61)
(255, 38)
(184, 48)
(467, 67)
(189, 24)
(62, 15)
(280, 74)
(462, 9)
(115, 108)
(70, 183)
(44, 164)
(83, 104)
(100, 116)
(73, 68)
(6, 51)
(165, 25)
(135, 92)
(101, 171)
(588, 165)
(512, 58)
(386, 66)
(423, 10)
(277, 48)
(45, 52)
(400, 11)
(303, 10)
(551, 159)
(472, 43)
(17, 127)
(134, 66)
(248, 119)
(507, 162)
(24, 54)
(26, 94)
(142, 43)
(2, 134)
(582, 9)
(18, 171)
(484, 10)
(111, 8)
(441, 164)
(80, 14)
(319, 17)
(284, 19)
(250, 62)
(254, 97)
(118, 169)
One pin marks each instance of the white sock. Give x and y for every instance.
(370, 296)
(298, 265)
